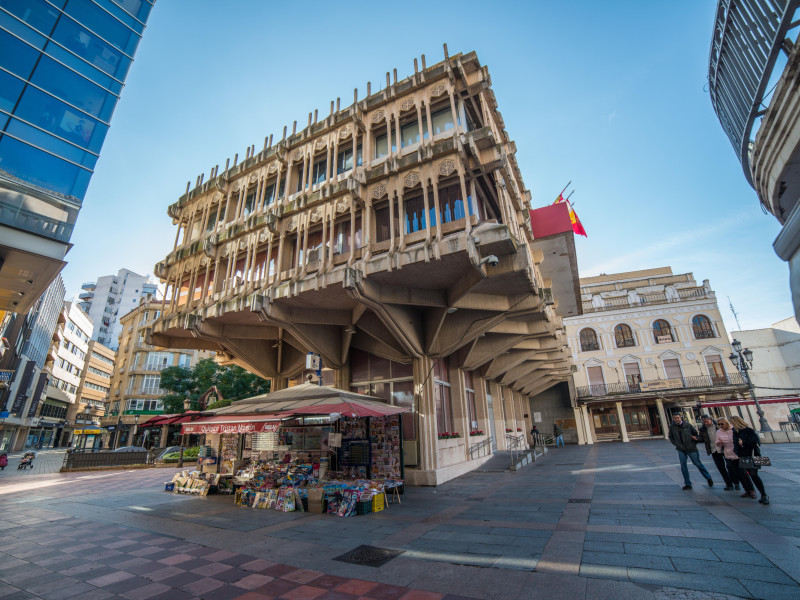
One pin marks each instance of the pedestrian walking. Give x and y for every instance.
(558, 434)
(684, 437)
(708, 433)
(747, 444)
(725, 443)
(3, 461)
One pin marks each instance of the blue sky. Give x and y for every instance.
(610, 95)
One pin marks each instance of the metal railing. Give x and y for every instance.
(790, 426)
(516, 446)
(748, 36)
(481, 448)
(648, 298)
(81, 460)
(676, 383)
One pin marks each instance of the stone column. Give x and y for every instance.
(621, 418)
(587, 423)
(663, 417)
(426, 413)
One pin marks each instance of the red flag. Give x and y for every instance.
(577, 227)
(560, 198)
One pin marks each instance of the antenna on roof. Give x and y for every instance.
(735, 314)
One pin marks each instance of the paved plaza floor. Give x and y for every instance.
(608, 521)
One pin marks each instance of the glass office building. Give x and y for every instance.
(63, 64)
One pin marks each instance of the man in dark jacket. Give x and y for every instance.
(685, 437)
(708, 433)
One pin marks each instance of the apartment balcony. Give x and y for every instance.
(751, 37)
(662, 387)
(86, 296)
(145, 391)
(647, 299)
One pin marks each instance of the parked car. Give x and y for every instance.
(168, 450)
(131, 449)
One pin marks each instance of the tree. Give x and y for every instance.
(233, 383)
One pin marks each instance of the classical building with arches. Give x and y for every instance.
(392, 237)
(649, 343)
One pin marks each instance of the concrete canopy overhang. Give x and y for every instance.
(28, 264)
(398, 306)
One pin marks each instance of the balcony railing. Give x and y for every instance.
(748, 36)
(647, 299)
(660, 385)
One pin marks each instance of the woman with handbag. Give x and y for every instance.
(747, 445)
(724, 440)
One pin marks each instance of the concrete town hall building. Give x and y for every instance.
(393, 237)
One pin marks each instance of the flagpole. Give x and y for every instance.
(570, 195)
(565, 187)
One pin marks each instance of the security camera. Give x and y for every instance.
(492, 260)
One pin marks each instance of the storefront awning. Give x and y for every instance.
(311, 399)
(161, 420)
(88, 430)
(233, 424)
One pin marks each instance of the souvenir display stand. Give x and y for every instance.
(350, 467)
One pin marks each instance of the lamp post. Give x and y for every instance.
(743, 361)
(135, 427)
(87, 413)
(186, 406)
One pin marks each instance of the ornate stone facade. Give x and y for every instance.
(406, 236)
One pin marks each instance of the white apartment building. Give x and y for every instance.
(112, 296)
(70, 347)
(649, 343)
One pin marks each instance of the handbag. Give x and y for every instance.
(746, 462)
(755, 462)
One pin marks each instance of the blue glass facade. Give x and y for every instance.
(63, 64)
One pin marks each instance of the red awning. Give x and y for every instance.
(787, 399)
(156, 421)
(233, 424)
(161, 420)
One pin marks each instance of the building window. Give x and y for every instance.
(672, 368)
(409, 133)
(624, 336)
(662, 332)
(469, 392)
(212, 220)
(451, 204)
(716, 369)
(701, 325)
(382, 230)
(344, 159)
(589, 340)
(633, 376)
(320, 172)
(415, 214)
(381, 146)
(269, 194)
(441, 120)
(442, 395)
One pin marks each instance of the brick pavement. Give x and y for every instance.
(47, 461)
(629, 532)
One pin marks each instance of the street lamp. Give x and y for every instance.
(743, 361)
(87, 413)
(135, 427)
(187, 404)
